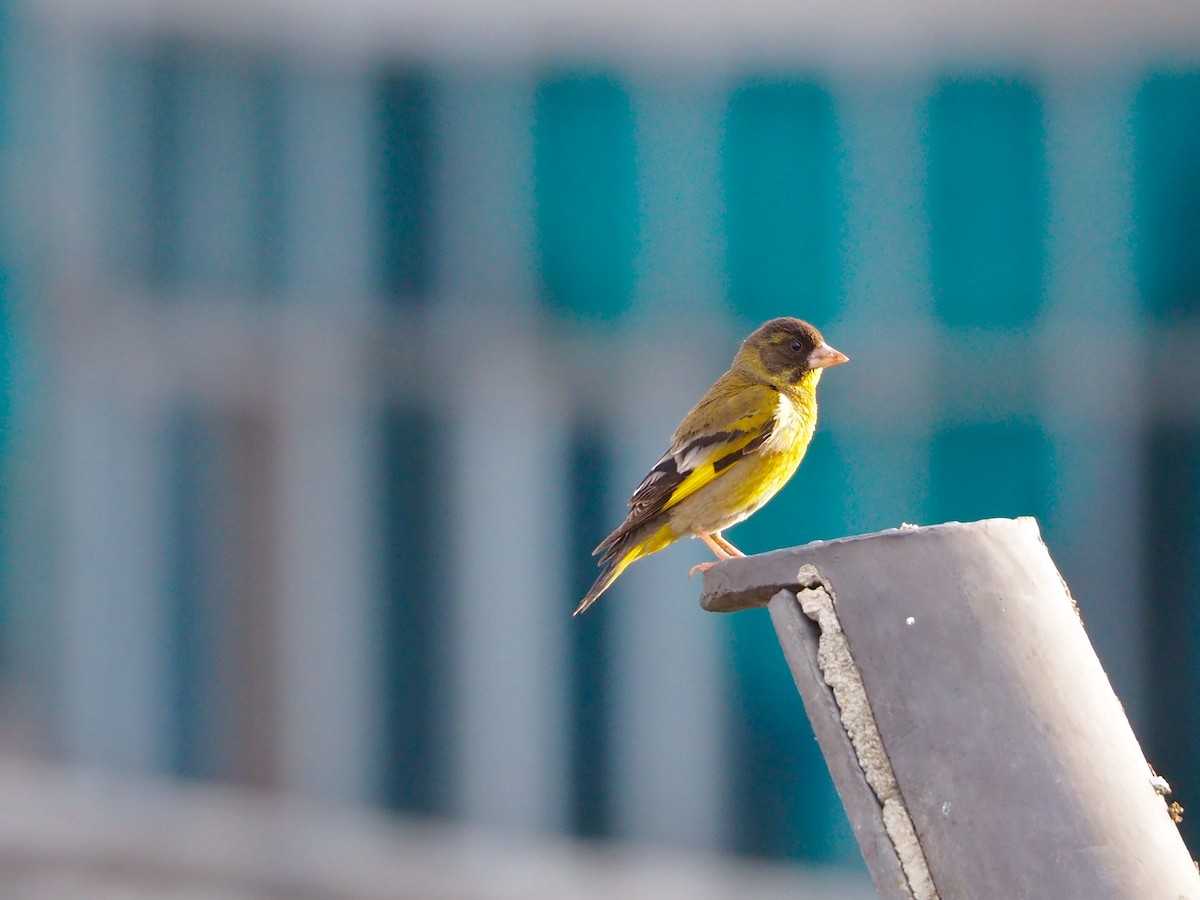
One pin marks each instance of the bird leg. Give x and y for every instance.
(725, 545)
(720, 547)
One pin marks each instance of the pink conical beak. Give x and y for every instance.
(825, 356)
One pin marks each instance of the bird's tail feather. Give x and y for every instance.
(622, 549)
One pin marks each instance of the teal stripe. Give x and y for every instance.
(12, 348)
(585, 188)
(591, 640)
(163, 215)
(196, 595)
(265, 81)
(404, 106)
(784, 802)
(10, 343)
(783, 201)
(1167, 205)
(12, 86)
(987, 202)
(413, 585)
(215, 151)
(983, 470)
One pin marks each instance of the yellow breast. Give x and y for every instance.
(755, 479)
(781, 454)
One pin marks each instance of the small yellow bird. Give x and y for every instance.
(731, 454)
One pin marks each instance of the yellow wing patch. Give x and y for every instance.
(732, 421)
(696, 461)
(729, 453)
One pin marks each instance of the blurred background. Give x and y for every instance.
(335, 336)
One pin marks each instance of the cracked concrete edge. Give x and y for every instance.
(817, 600)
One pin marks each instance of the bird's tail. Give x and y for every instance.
(620, 549)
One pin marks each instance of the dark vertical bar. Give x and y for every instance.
(591, 814)
(8, 341)
(987, 202)
(166, 73)
(585, 188)
(411, 540)
(785, 802)
(7, 73)
(783, 200)
(404, 107)
(1172, 547)
(266, 81)
(1167, 193)
(8, 335)
(193, 522)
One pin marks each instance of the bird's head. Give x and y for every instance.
(786, 353)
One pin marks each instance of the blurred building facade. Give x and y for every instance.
(334, 349)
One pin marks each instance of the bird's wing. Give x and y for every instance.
(729, 427)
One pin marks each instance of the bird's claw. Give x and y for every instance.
(701, 567)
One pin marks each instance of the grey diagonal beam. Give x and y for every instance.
(986, 721)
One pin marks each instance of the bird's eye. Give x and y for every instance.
(797, 346)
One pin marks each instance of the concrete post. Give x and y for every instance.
(972, 734)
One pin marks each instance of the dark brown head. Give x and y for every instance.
(785, 353)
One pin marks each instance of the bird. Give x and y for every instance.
(731, 453)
